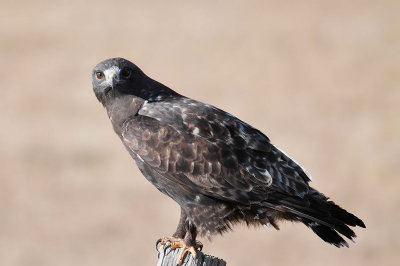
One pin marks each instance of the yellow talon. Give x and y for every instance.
(178, 243)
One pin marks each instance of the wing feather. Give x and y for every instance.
(218, 153)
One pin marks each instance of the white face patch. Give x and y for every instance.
(113, 69)
(110, 73)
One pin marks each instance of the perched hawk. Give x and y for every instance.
(219, 169)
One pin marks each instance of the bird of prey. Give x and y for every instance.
(219, 169)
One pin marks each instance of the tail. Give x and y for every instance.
(326, 219)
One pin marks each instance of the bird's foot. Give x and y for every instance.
(178, 243)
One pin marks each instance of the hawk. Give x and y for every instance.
(219, 169)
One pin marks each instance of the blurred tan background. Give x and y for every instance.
(320, 78)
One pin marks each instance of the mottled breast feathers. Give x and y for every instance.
(215, 153)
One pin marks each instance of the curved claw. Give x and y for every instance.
(199, 245)
(157, 243)
(178, 243)
(185, 249)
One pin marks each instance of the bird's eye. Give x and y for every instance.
(99, 75)
(125, 73)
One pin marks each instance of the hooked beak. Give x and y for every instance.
(110, 79)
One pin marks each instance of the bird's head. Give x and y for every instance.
(115, 77)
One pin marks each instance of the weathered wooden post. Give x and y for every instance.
(169, 257)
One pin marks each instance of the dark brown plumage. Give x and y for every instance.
(219, 169)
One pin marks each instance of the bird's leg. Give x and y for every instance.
(181, 228)
(184, 238)
(189, 242)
